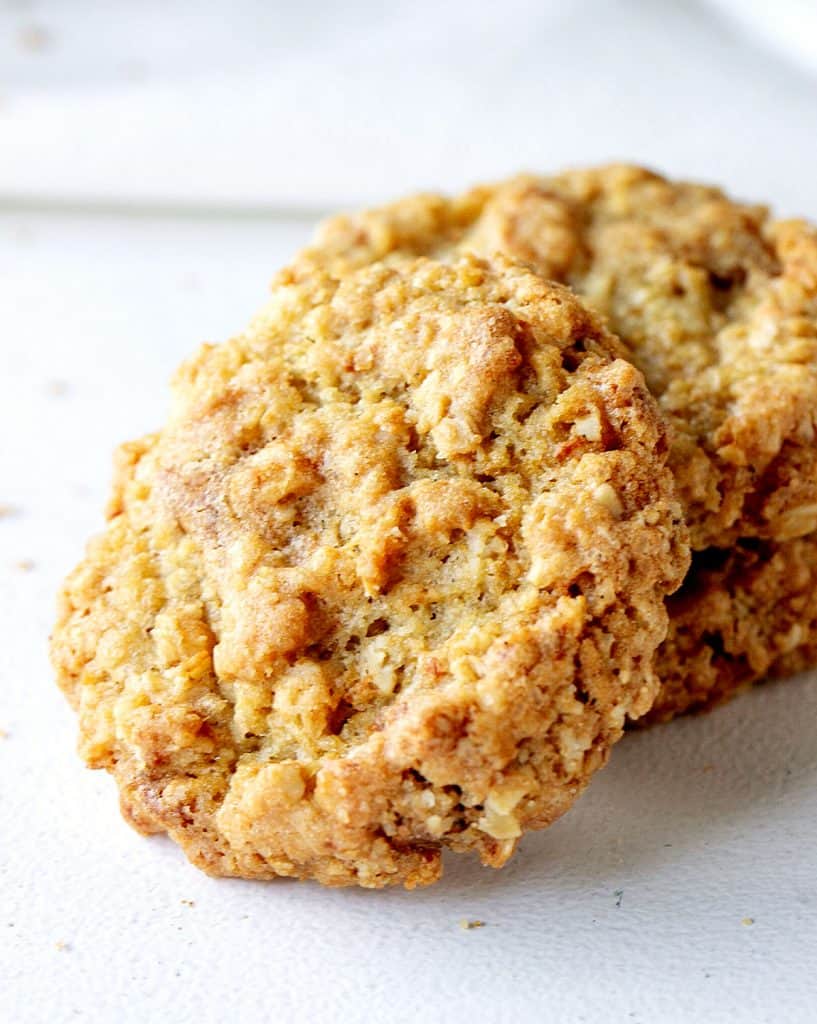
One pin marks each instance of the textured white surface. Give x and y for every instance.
(631, 908)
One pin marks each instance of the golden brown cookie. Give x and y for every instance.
(717, 304)
(390, 579)
(743, 614)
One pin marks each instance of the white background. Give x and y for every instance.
(158, 160)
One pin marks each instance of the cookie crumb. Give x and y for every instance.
(4, 733)
(747, 921)
(57, 388)
(188, 903)
(7, 511)
(35, 38)
(468, 925)
(62, 947)
(25, 564)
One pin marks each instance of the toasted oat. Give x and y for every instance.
(368, 594)
(717, 305)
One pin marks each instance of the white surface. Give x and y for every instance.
(630, 909)
(788, 25)
(322, 104)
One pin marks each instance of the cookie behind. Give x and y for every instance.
(717, 304)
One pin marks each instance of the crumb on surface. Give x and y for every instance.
(7, 510)
(35, 38)
(188, 903)
(468, 925)
(747, 921)
(619, 895)
(61, 946)
(25, 564)
(57, 388)
(4, 733)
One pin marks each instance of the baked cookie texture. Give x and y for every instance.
(743, 614)
(390, 579)
(717, 304)
(715, 301)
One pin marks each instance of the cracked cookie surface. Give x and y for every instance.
(389, 580)
(716, 302)
(717, 305)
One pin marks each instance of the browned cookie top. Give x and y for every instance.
(390, 579)
(716, 302)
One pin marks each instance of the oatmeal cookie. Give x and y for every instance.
(390, 579)
(717, 305)
(716, 302)
(744, 614)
